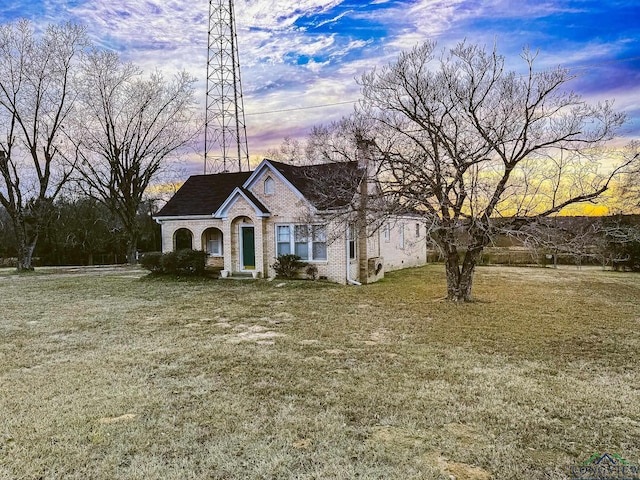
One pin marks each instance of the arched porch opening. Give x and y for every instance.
(183, 239)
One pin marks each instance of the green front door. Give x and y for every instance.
(248, 248)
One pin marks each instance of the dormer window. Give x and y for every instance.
(269, 186)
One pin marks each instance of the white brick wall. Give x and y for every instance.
(286, 207)
(410, 253)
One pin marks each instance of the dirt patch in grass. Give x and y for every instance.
(119, 377)
(461, 471)
(253, 334)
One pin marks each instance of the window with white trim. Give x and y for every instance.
(213, 242)
(309, 242)
(387, 233)
(283, 240)
(319, 242)
(401, 246)
(351, 238)
(269, 186)
(417, 230)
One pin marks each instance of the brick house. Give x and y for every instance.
(245, 220)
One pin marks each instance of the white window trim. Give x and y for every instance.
(220, 243)
(310, 242)
(269, 186)
(215, 252)
(352, 238)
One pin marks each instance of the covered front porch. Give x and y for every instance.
(235, 246)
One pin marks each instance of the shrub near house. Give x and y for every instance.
(179, 262)
(288, 266)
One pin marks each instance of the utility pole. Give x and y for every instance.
(225, 136)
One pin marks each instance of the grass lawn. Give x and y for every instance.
(104, 375)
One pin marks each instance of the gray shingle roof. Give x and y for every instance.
(203, 194)
(326, 186)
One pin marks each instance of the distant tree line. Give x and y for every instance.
(81, 231)
(610, 241)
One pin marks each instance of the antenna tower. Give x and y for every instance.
(225, 135)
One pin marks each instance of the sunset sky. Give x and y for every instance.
(300, 58)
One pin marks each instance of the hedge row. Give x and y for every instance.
(180, 262)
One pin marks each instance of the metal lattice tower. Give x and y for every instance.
(225, 134)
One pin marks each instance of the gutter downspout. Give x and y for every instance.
(160, 222)
(350, 280)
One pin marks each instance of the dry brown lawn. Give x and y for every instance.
(107, 375)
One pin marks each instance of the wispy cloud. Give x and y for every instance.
(309, 52)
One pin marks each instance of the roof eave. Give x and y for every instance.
(163, 218)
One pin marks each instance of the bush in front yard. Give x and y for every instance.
(288, 266)
(180, 262)
(190, 262)
(169, 263)
(152, 261)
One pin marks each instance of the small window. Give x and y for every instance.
(283, 239)
(387, 233)
(213, 242)
(269, 186)
(319, 242)
(417, 230)
(401, 245)
(301, 233)
(351, 234)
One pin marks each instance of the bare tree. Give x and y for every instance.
(631, 184)
(622, 242)
(465, 142)
(291, 151)
(342, 181)
(37, 96)
(130, 129)
(578, 238)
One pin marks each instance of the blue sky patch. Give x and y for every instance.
(307, 55)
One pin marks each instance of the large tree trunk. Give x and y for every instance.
(460, 277)
(132, 233)
(25, 253)
(132, 251)
(25, 243)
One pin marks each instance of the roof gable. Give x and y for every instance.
(325, 186)
(258, 207)
(269, 165)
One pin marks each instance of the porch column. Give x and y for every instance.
(226, 244)
(196, 240)
(260, 246)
